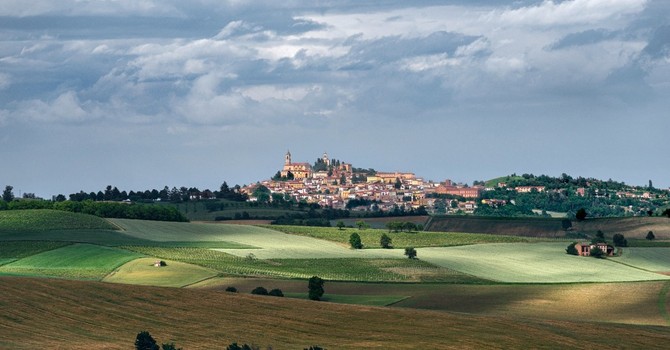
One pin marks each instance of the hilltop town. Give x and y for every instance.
(335, 184)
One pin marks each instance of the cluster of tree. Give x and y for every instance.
(123, 210)
(144, 341)
(600, 197)
(103, 209)
(398, 226)
(278, 177)
(503, 210)
(263, 291)
(181, 194)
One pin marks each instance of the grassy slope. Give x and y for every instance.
(332, 269)
(632, 227)
(630, 303)
(532, 263)
(81, 261)
(91, 315)
(650, 259)
(370, 237)
(175, 274)
(12, 221)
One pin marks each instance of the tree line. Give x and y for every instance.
(117, 210)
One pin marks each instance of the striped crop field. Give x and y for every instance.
(175, 274)
(37, 220)
(78, 261)
(162, 231)
(370, 237)
(650, 259)
(533, 263)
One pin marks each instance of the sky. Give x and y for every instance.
(142, 94)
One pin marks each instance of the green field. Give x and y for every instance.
(495, 289)
(39, 220)
(533, 263)
(174, 274)
(370, 237)
(80, 261)
(649, 259)
(349, 269)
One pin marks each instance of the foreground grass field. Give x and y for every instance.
(93, 315)
(642, 303)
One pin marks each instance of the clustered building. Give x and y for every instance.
(335, 184)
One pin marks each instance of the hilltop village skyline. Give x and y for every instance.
(332, 183)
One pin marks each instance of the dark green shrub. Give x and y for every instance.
(571, 249)
(276, 293)
(355, 241)
(315, 287)
(259, 291)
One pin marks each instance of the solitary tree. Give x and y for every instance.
(600, 238)
(144, 341)
(385, 241)
(315, 287)
(276, 292)
(619, 240)
(7, 194)
(410, 252)
(340, 224)
(355, 241)
(650, 236)
(362, 225)
(581, 214)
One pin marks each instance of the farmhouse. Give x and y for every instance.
(584, 248)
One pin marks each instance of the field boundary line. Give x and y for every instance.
(119, 227)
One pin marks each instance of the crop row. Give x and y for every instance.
(371, 237)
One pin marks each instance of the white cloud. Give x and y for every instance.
(65, 108)
(550, 13)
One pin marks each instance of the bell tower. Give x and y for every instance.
(325, 158)
(287, 158)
